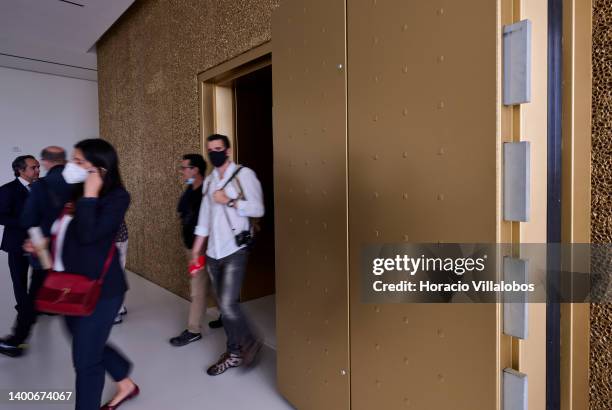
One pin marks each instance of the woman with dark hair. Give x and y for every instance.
(84, 241)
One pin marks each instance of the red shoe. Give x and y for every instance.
(130, 396)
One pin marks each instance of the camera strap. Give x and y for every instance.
(224, 207)
(227, 217)
(238, 169)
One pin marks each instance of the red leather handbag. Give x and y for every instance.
(71, 294)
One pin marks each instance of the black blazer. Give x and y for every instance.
(12, 199)
(89, 238)
(46, 201)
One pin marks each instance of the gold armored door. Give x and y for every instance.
(422, 169)
(309, 94)
(388, 128)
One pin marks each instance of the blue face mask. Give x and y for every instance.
(190, 181)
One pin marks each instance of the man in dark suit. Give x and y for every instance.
(49, 193)
(12, 200)
(44, 204)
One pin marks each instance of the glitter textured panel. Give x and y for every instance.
(601, 198)
(147, 68)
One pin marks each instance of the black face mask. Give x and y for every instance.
(218, 158)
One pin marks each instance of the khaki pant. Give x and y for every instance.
(197, 308)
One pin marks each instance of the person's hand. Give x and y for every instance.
(195, 266)
(193, 261)
(93, 184)
(28, 246)
(220, 197)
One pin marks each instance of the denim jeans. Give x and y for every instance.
(226, 275)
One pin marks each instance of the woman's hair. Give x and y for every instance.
(102, 155)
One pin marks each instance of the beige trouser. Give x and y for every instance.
(197, 308)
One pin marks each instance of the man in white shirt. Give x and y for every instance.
(231, 195)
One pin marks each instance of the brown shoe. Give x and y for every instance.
(226, 361)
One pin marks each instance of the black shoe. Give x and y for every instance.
(185, 338)
(10, 348)
(216, 324)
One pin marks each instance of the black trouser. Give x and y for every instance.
(18, 266)
(27, 314)
(91, 356)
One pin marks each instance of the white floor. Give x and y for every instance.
(169, 377)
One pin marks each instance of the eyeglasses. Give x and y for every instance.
(184, 167)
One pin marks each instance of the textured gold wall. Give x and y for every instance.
(147, 67)
(601, 198)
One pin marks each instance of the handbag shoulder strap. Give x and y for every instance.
(107, 262)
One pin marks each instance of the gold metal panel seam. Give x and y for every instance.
(576, 191)
(309, 93)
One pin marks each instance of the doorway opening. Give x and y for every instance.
(253, 114)
(236, 100)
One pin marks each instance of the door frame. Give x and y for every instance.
(216, 93)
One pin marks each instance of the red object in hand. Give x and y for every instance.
(193, 269)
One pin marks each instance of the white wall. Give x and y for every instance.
(37, 110)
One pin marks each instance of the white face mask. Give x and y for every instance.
(190, 181)
(74, 174)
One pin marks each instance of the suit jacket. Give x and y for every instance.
(12, 200)
(46, 201)
(90, 236)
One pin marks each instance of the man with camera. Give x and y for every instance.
(232, 195)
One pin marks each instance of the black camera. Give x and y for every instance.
(244, 238)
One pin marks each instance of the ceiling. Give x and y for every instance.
(55, 36)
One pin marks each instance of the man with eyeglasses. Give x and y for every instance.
(13, 196)
(193, 171)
